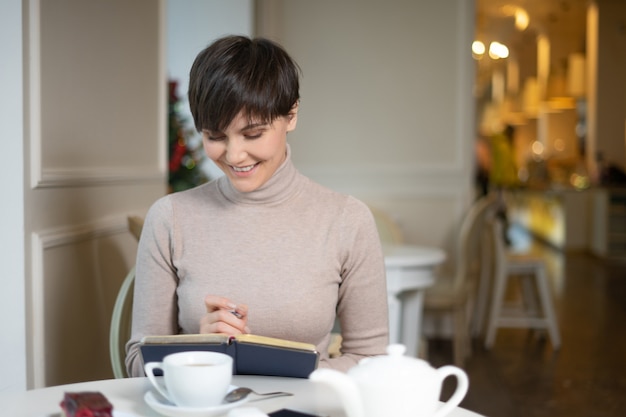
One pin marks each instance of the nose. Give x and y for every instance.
(235, 151)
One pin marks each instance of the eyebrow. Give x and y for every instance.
(253, 126)
(243, 129)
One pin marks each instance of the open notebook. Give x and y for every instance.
(252, 354)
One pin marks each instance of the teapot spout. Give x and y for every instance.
(344, 386)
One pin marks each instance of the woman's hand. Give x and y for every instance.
(224, 316)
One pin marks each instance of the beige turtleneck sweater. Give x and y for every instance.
(296, 253)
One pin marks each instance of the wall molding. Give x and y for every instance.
(390, 180)
(58, 178)
(40, 242)
(42, 177)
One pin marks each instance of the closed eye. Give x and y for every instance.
(216, 137)
(254, 130)
(254, 135)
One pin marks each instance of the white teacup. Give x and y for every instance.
(193, 379)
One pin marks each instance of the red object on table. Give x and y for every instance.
(86, 404)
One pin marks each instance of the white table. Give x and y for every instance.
(410, 270)
(126, 395)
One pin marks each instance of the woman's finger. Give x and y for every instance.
(214, 302)
(208, 324)
(224, 316)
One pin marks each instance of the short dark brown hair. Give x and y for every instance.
(237, 73)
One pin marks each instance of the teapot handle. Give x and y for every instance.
(461, 388)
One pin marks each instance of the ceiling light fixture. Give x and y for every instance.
(478, 49)
(521, 19)
(498, 50)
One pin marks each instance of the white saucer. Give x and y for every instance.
(162, 406)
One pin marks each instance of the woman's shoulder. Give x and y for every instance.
(181, 201)
(348, 203)
(196, 195)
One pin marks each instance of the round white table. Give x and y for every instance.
(127, 397)
(410, 270)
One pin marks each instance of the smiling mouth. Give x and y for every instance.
(244, 169)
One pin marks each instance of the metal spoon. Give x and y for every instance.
(241, 393)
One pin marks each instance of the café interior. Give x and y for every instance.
(540, 70)
(552, 70)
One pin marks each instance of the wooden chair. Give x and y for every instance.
(388, 229)
(536, 309)
(119, 332)
(135, 226)
(121, 319)
(453, 295)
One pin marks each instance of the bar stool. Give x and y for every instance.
(536, 310)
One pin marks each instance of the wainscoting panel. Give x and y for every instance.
(91, 75)
(77, 272)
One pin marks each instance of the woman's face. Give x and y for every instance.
(250, 152)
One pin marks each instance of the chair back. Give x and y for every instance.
(469, 246)
(120, 330)
(135, 226)
(496, 229)
(121, 318)
(388, 229)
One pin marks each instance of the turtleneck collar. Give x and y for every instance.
(281, 186)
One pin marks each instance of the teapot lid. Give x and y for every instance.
(396, 350)
(394, 365)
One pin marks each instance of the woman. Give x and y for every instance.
(263, 249)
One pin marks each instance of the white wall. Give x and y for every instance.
(12, 309)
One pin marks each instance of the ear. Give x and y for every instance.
(292, 118)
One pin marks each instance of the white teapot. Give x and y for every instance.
(394, 385)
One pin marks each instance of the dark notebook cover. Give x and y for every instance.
(252, 355)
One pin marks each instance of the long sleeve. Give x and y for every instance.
(362, 308)
(154, 301)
